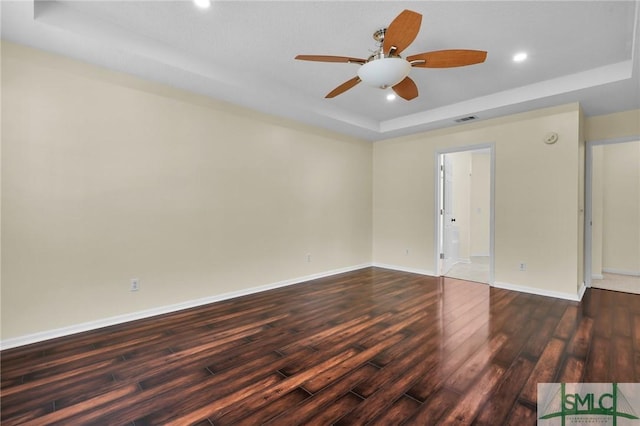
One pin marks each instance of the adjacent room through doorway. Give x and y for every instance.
(614, 215)
(465, 211)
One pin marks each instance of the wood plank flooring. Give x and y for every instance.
(372, 346)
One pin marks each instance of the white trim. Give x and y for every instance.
(597, 277)
(480, 254)
(437, 216)
(621, 272)
(120, 319)
(540, 292)
(581, 290)
(404, 269)
(133, 316)
(588, 215)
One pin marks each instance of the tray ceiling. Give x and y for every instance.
(242, 52)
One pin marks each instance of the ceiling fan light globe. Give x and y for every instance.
(202, 4)
(384, 72)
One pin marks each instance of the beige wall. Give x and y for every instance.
(107, 178)
(620, 181)
(536, 197)
(612, 126)
(480, 204)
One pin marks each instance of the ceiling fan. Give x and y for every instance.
(386, 68)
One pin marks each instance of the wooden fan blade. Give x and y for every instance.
(328, 58)
(448, 58)
(402, 31)
(343, 87)
(406, 89)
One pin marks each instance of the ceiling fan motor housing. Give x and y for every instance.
(379, 35)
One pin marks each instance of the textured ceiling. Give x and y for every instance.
(242, 52)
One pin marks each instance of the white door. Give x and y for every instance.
(450, 233)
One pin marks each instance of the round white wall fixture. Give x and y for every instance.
(551, 138)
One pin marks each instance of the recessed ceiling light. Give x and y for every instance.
(391, 96)
(519, 57)
(202, 4)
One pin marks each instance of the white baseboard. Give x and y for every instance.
(597, 277)
(119, 319)
(581, 290)
(506, 286)
(621, 272)
(541, 292)
(404, 269)
(480, 254)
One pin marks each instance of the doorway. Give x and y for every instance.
(612, 225)
(464, 213)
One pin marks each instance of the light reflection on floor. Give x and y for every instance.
(477, 270)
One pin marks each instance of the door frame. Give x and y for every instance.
(588, 201)
(438, 196)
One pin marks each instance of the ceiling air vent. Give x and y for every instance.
(465, 119)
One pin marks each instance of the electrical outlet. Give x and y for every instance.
(308, 258)
(135, 284)
(523, 266)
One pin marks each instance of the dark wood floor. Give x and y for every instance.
(370, 346)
